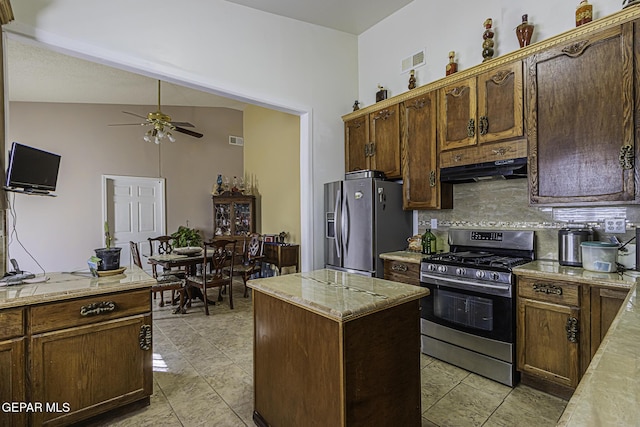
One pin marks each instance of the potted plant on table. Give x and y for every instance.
(109, 257)
(186, 239)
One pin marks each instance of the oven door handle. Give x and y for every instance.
(464, 284)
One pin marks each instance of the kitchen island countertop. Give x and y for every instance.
(338, 295)
(61, 286)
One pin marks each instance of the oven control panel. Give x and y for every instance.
(494, 236)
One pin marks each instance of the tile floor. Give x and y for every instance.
(203, 377)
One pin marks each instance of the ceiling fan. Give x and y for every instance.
(161, 125)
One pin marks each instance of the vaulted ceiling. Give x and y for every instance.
(35, 74)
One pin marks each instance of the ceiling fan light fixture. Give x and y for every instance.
(170, 137)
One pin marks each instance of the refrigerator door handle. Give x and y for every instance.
(346, 218)
(337, 215)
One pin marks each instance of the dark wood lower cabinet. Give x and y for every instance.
(402, 271)
(75, 359)
(12, 381)
(560, 326)
(605, 305)
(313, 370)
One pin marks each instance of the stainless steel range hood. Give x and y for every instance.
(499, 169)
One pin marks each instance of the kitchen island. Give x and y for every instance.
(334, 348)
(74, 347)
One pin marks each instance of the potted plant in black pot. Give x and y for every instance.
(109, 257)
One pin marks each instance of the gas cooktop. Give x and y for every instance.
(479, 259)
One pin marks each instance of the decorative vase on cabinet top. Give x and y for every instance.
(524, 31)
(487, 44)
(584, 13)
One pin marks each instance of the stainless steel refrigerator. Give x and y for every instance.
(364, 218)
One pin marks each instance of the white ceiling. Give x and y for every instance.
(350, 16)
(36, 74)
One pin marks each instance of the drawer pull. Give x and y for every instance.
(399, 267)
(572, 329)
(97, 308)
(547, 289)
(144, 337)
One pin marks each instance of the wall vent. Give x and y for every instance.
(414, 61)
(236, 140)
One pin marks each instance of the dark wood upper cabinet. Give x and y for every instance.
(500, 103)
(373, 142)
(421, 176)
(484, 108)
(356, 137)
(384, 130)
(580, 113)
(457, 118)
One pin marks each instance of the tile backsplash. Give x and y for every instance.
(504, 204)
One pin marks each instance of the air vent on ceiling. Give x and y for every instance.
(236, 140)
(414, 61)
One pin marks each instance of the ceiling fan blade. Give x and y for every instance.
(188, 132)
(136, 115)
(183, 124)
(128, 124)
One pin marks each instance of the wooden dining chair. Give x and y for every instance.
(250, 261)
(218, 259)
(162, 245)
(163, 283)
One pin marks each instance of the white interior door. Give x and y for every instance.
(134, 207)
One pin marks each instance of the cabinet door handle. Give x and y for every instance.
(547, 289)
(399, 267)
(471, 128)
(626, 157)
(144, 337)
(483, 125)
(432, 178)
(572, 329)
(97, 308)
(372, 149)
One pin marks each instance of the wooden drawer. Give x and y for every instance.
(82, 311)
(555, 292)
(487, 152)
(11, 323)
(400, 271)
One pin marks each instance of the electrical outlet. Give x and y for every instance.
(615, 225)
(434, 223)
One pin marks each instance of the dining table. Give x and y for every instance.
(189, 262)
(172, 260)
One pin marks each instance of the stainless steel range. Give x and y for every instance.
(468, 320)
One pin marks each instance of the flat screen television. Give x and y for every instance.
(32, 170)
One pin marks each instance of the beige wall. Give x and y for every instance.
(272, 160)
(62, 232)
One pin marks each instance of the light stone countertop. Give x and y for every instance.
(61, 286)
(403, 256)
(609, 392)
(547, 269)
(338, 295)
